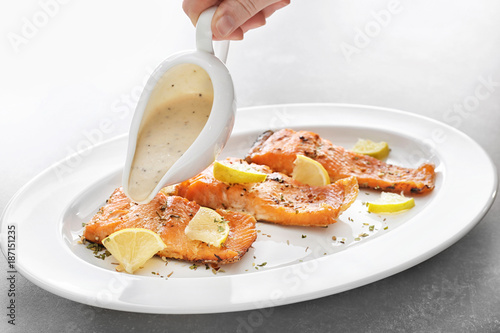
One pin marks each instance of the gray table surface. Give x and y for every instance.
(68, 65)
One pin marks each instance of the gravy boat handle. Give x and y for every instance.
(204, 41)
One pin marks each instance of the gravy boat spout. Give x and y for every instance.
(188, 103)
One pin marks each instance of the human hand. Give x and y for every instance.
(233, 18)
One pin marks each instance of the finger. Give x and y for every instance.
(194, 8)
(269, 10)
(231, 14)
(258, 20)
(235, 35)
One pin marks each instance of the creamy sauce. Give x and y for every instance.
(177, 111)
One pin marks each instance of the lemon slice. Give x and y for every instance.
(237, 173)
(308, 171)
(379, 150)
(208, 226)
(391, 203)
(133, 247)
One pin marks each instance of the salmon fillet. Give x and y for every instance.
(278, 150)
(279, 199)
(168, 216)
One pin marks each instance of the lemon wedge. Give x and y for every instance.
(133, 247)
(208, 226)
(390, 203)
(308, 171)
(379, 150)
(237, 173)
(168, 190)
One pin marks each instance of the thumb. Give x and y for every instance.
(231, 14)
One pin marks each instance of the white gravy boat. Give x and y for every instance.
(214, 135)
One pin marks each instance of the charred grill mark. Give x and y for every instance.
(261, 139)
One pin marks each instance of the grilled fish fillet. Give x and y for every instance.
(278, 150)
(280, 199)
(169, 216)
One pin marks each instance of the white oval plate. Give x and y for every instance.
(286, 264)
